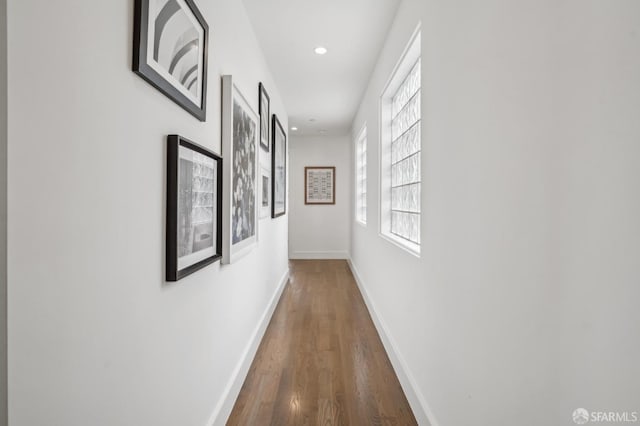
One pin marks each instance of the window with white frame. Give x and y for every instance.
(361, 176)
(400, 190)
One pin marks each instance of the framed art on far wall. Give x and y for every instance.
(264, 106)
(170, 42)
(194, 207)
(320, 185)
(278, 169)
(240, 144)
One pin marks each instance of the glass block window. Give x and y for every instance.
(405, 158)
(361, 177)
(400, 151)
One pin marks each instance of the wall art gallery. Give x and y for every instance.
(213, 206)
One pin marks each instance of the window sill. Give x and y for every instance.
(409, 247)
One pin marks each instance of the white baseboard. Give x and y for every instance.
(225, 404)
(319, 255)
(421, 410)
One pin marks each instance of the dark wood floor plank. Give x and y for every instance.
(321, 361)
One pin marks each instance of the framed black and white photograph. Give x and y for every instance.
(170, 43)
(319, 185)
(265, 192)
(194, 207)
(278, 169)
(240, 142)
(264, 107)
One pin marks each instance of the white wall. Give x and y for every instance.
(320, 231)
(3, 213)
(523, 304)
(95, 334)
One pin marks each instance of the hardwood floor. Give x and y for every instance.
(321, 361)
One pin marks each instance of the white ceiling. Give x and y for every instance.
(325, 88)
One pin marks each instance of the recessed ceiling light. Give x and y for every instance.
(320, 50)
(294, 128)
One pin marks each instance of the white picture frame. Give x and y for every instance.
(240, 146)
(265, 192)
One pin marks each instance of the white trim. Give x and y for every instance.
(230, 394)
(337, 254)
(410, 54)
(422, 412)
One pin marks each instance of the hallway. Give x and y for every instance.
(321, 360)
(379, 212)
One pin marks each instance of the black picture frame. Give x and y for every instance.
(278, 169)
(182, 81)
(264, 105)
(189, 247)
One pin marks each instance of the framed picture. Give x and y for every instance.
(264, 117)
(240, 141)
(265, 193)
(170, 41)
(278, 169)
(319, 185)
(194, 206)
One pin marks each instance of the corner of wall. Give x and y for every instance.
(232, 389)
(421, 410)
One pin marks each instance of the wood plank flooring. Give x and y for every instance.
(321, 361)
